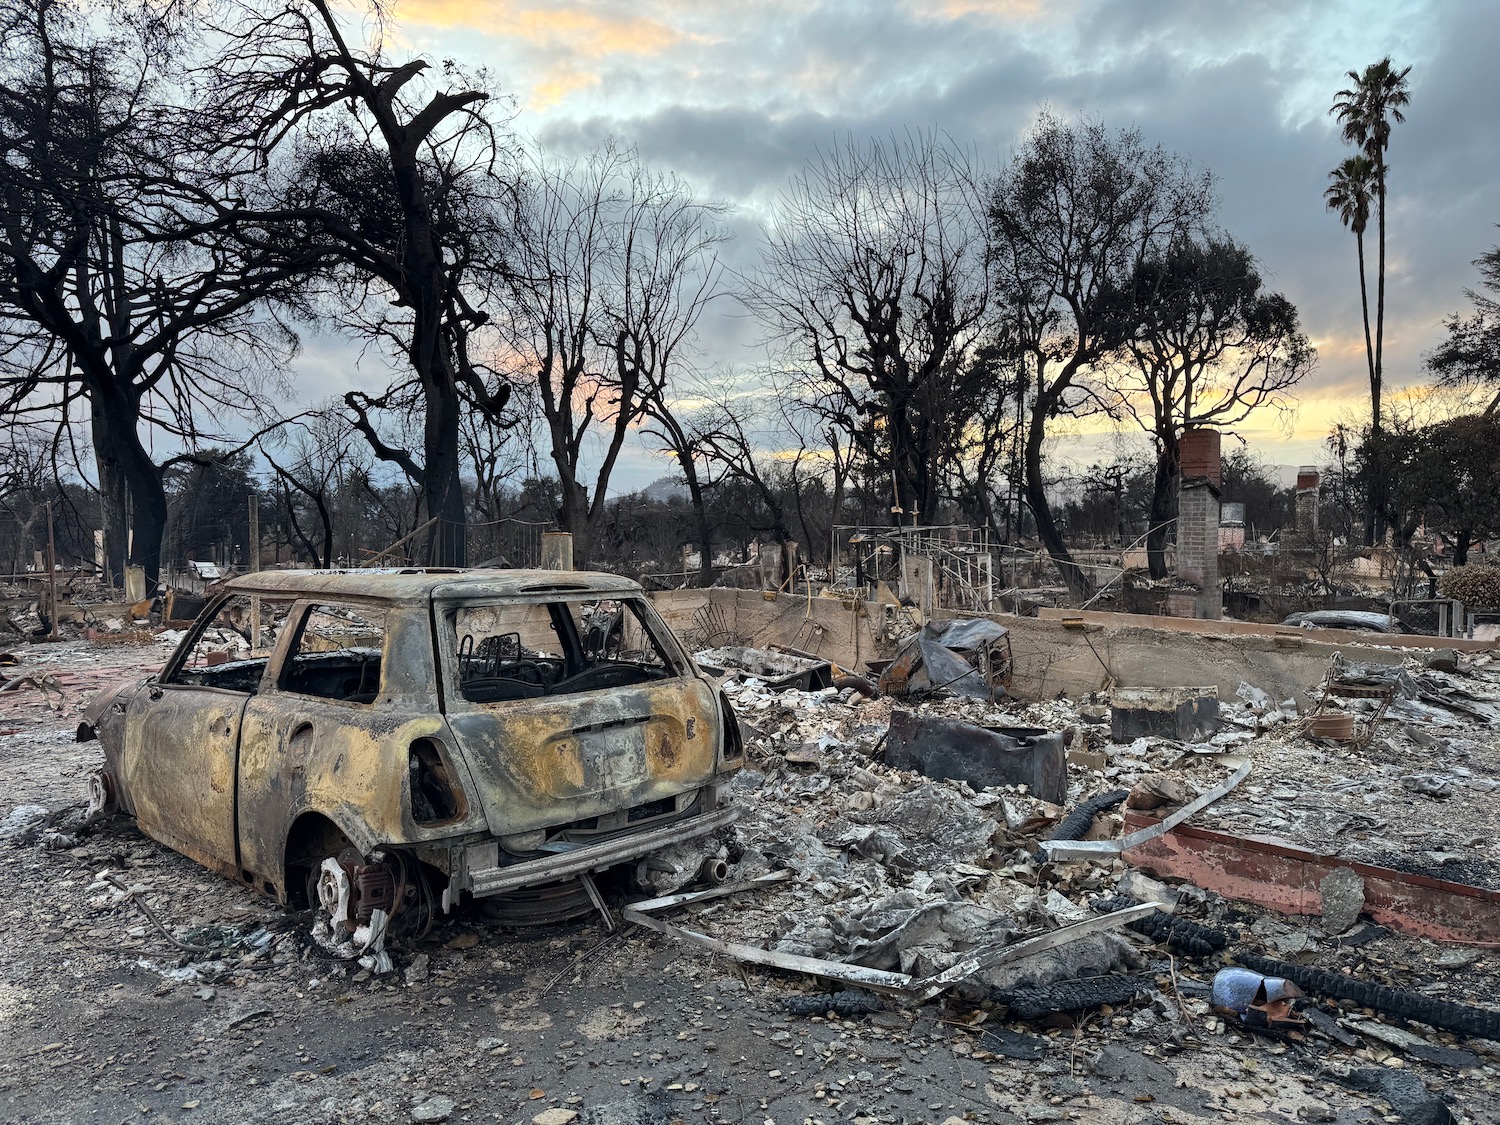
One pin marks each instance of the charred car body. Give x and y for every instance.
(378, 739)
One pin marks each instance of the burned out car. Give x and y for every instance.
(388, 742)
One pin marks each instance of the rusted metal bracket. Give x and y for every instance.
(877, 980)
(1285, 878)
(597, 899)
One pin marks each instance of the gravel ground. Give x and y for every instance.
(105, 1020)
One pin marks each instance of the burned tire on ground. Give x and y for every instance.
(844, 1003)
(1461, 1019)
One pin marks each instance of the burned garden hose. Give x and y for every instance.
(1076, 823)
(1461, 1019)
(1192, 939)
(845, 1003)
(1069, 995)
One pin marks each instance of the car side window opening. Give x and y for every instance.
(232, 650)
(338, 653)
(529, 650)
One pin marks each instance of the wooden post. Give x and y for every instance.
(253, 549)
(52, 570)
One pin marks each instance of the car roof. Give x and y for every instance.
(419, 585)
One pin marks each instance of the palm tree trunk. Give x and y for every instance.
(1364, 304)
(1379, 287)
(1378, 485)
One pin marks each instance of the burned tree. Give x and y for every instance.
(1448, 475)
(1073, 216)
(111, 301)
(400, 182)
(756, 452)
(311, 469)
(874, 273)
(1207, 348)
(615, 266)
(1470, 356)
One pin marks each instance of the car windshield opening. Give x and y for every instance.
(528, 650)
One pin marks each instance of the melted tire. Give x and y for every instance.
(1076, 823)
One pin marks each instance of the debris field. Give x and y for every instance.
(139, 986)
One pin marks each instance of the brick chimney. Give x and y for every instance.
(1198, 519)
(1308, 480)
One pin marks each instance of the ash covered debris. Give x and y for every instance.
(896, 872)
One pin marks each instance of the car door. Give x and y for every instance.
(180, 754)
(182, 733)
(311, 740)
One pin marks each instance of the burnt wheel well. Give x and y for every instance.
(313, 836)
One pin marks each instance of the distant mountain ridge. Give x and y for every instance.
(663, 490)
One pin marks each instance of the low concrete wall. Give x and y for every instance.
(1255, 629)
(1051, 660)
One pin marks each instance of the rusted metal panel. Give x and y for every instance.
(592, 857)
(558, 759)
(548, 761)
(1285, 878)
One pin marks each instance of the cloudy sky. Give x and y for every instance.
(735, 96)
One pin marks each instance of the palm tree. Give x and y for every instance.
(1366, 111)
(1349, 195)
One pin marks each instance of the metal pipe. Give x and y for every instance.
(715, 871)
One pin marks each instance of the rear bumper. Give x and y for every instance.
(473, 868)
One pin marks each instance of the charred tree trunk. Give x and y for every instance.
(1461, 547)
(113, 507)
(1041, 511)
(126, 470)
(1163, 507)
(700, 516)
(148, 509)
(442, 485)
(573, 514)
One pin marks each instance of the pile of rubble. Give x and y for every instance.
(899, 872)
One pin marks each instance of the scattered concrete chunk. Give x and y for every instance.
(1154, 792)
(1443, 660)
(555, 1116)
(1343, 892)
(434, 1109)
